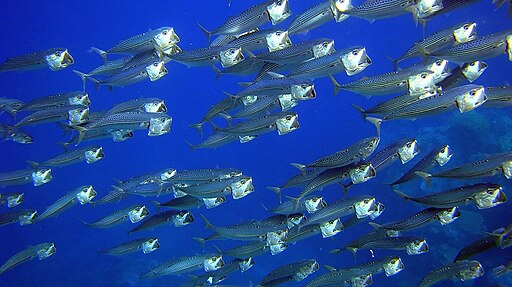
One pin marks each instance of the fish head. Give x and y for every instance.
(278, 11)
(370, 147)
(426, 8)
(286, 101)
(362, 173)
(231, 57)
(448, 215)
(81, 99)
(172, 50)
(15, 199)
(475, 271)
(177, 192)
(491, 196)
(159, 126)
(304, 91)
(505, 237)
(246, 264)
(440, 68)
(213, 202)
(314, 204)
(138, 213)
(365, 207)
(421, 82)
(444, 155)
(166, 39)
(434, 91)
(156, 70)
(465, 33)
(408, 151)
(474, 70)
(288, 123)
(21, 137)
(182, 218)
(509, 47)
(242, 187)
(167, 174)
(150, 245)
(295, 219)
(213, 263)
(27, 217)
(47, 251)
(331, 228)
(156, 106)
(86, 194)
(278, 248)
(278, 40)
(121, 135)
(323, 49)
(59, 60)
(78, 116)
(277, 237)
(471, 99)
(355, 60)
(341, 6)
(94, 154)
(42, 176)
(249, 100)
(417, 247)
(246, 139)
(379, 209)
(393, 266)
(507, 168)
(362, 280)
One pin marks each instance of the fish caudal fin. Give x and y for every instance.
(207, 223)
(376, 122)
(277, 191)
(103, 54)
(295, 201)
(402, 195)
(200, 240)
(198, 127)
(207, 33)
(84, 78)
(360, 110)
(33, 164)
(337, 86)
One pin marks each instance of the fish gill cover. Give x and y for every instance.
(107, 182)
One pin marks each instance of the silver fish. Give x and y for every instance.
(134, 213)
(372, 10)
(498, 97)
(58, 100)
(499, 238)
(227, 55)
(12, 199)
(56, 59)
(89, 154)
(263, 125)
(23, 217)
(422, 218)
(11, 106)
(296, 271)
(299, 53)
(183, 265)
(41, 251)
(270, 39)
(464, 270)
(82, 195)
(75, 114)
(175, 217)
(149, 105)
(23, 176)
(318, 15)
(147, 245)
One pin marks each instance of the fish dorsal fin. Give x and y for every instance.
(330, 268)
(275, 75)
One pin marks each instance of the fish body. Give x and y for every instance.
(412, 244)
(42, 251)
(186, 202)
(299, 53)
(310, 204)
(296, 271)
(261, 125)
(209, 56)
(24, 176)
(58, 100)
(498, 97)
(134, 213)
(184, 265)
(23, 216)
(422, 218)
(372, 10)
(88, 154)
(499, 238)
(219, 188)
(313, 17)
(82, 195)
(270, 39)
(165, 217)
(110, 67)
(255, 229)
(149, 105)
(75, 114)
(245, 251)
(145, 244)
(56, 59)
(404, 149)
(145, 42)
(216, 276)
(463, 270)
(276, 86)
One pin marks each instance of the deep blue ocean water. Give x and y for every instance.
(327, 124)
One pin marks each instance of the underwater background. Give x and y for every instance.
(328, 123)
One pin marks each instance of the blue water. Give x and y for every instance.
(327, 124)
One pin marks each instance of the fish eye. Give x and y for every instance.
(288, 117)
(423, 76)
(355, 52)
(366, 201)
(325, 45)
(213, 58)
(57, 54)
(466, 27)
(164, 32)
(472, 64)
(278, 33)
(438, 63)
(242, 182)
(472, 93)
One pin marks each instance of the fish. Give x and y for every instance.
(10, 133)
(183, 265)
(352, 154)
(311, 204)
(250, 65)
(146, 244)
(207, 174)
(220, 139)
(227, 55)
(439, 156)
(56, 59)
(270, 39)
(502, 270)
(459, 33)
(12, 199)
(404, 150)
(176, 217)
(318, 15)
(83, 195)
(352, 61)
(372, 10)
(296, 271)
(75, 98)
(152, 71)
(224, 39)
(109, 67)
(422, 218)
(413, 245)
(263, 104)
(163, 39)
(499, 238)
(134, 213)
(23, 217)
(466, 72)
(219, 275)
(217, 109)
(117, 135)
(41, 251)
(75, 114)
(481, 48)
(301, 179)
(249, 250)
(498, 97)
(23, 176)
(274, 11)
(149, 105)
(463, 270)
(238, 187)
(486, 167)
(283, 122)
(299, 88)
(240, 232)
(90, 154)
(299, 53)
(186, 202)
(484, 195)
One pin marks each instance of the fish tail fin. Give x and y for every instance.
(207, 33)
(214, 126)
(427, 177)
(84, 78)
(394, 62)
(81, 134)
(424, 52)
(360, 110)
(402, 195)
(207, 223)
(299, 166)
(227, 117)
(198, 127)
(376, 122)
(200, 240)
(345, 188)
(218, 72)
(277, 191)
(337, 86)
(295, 201)
(33, 164)
(103, 54)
